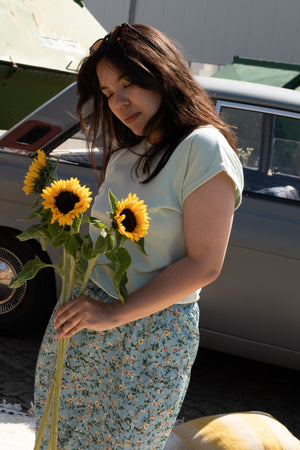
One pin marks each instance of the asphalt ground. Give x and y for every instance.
(220, 383)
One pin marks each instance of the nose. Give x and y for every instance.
(121, 98)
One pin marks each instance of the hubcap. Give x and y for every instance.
(10, 265)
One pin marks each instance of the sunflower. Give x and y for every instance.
(66, 199)
(131, 218)
(37, 175)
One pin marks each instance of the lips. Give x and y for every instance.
(131, 118)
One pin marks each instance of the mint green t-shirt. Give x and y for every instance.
(199, 157)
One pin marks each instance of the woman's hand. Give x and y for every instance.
(84, 312)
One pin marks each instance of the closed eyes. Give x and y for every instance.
(108, 95)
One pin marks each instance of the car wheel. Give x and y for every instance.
(27, 308)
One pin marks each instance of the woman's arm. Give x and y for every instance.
(207, 219)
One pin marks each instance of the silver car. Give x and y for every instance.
(253, 308)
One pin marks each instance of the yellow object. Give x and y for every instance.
(250, 430)
(132, 218)
(66, 199)
(34, 173)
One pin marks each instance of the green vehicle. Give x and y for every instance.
(40, 51)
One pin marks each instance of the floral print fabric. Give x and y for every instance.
(122, 388)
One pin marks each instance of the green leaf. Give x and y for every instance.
(113, 201)
(90, 251)
(58, 234)
(36, 213)
(56, 243)
(76, 223)
(93, 221)
(122, 287)
(28, 272)
(120, 261)
(109, 242)
(141, 245)
(88, 247)
(45, 241)
(54, 229)
(120, 239)
(100, 245)
(80, 270)
(73, 244)
(46, 216)
(36, 203)
(33, 232)
(80, 3)
(60, 266)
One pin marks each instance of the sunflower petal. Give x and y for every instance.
(135, 211)
(38, 175)
(67, 199)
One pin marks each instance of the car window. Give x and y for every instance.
(248, 126)
(286, 146)
(269, 149)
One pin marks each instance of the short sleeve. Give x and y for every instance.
(210, 154)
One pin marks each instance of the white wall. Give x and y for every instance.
(213, 31)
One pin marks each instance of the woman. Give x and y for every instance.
(128, 366)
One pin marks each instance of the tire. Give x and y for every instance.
(25, 310)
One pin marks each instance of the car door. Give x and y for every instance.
(253, 308)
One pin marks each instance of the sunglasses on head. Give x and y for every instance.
(114, 36)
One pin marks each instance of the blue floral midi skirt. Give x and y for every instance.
(121, 388)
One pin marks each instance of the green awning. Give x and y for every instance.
(262, 72)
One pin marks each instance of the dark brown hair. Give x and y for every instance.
(152, 62)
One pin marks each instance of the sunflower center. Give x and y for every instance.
(129, 223)
(65, 201)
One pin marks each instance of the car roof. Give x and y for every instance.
(251, 93)
(59, 113)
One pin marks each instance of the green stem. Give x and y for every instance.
(44, 421)
(53, 436)
(53, 390)
(71, 276)
(68, 278)
(65, 278)
(62, 348)
(87, 274)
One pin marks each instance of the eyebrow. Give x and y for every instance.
(120, 77)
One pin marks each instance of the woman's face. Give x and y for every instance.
(131, 104)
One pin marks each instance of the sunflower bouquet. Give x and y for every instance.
(60, 208)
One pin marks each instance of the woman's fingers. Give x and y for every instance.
(63, 314)
(68, 317)
(85, 312)
(69, 309)
(72, 326)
